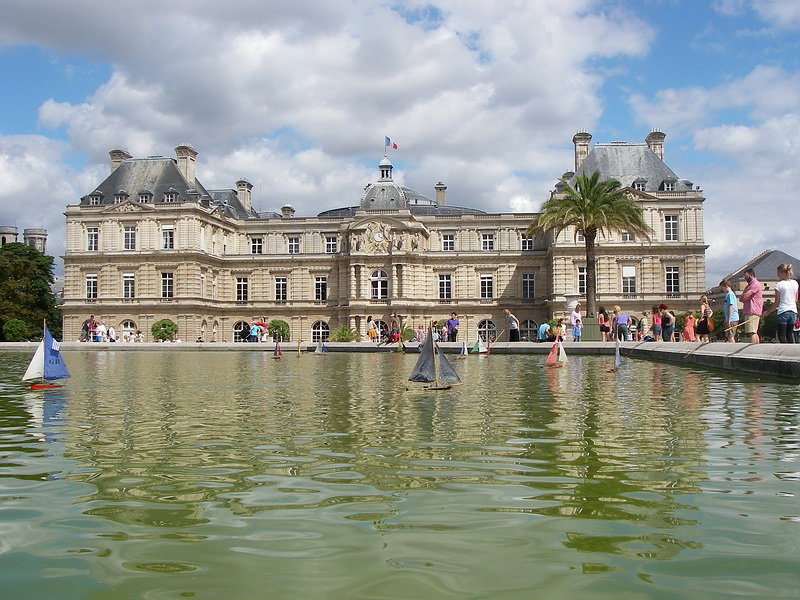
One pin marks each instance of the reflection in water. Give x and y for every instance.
(324, 477)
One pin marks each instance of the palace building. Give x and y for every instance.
(151, 242)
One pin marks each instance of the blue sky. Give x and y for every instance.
(297, 97)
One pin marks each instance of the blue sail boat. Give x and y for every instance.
(46, 364)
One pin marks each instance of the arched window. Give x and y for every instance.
(528, 330)
(320, 331)
(241, 330)
(487, 330)
(379, 284)
(127, 330)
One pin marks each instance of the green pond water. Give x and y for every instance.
(229, 475)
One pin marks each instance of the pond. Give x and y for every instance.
(230, 475)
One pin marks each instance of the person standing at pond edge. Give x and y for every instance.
(513, 326)
(730, 309)
(786, 291)
(752, 305)
(452, 327)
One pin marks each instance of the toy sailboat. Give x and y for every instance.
(46, 364)
(433, 368)
(322, 349)
(277, 353)
(557, 357)
(463, 354)
(480, 347)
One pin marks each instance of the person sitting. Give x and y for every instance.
(544, 334)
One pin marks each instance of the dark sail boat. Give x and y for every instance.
(433, 368)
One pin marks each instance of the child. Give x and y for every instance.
(576, 331)
(689, 322)
(558, 331)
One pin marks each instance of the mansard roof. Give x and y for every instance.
(156, 176)
(765, 265)
(630, 163)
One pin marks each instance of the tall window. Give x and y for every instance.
(627, 237)
(92, 239)
(671, 228)
(294, 245)
(487, 242)
(256, 246)
(128, 285)
(673, 280)
(448, 242)
(129, 238)
(167, 285)
(581, 280)
(628, 280)
(445, 287)
(487, 286)
(320, 288)
(242, 291)
(331, 245)
(579, 236)
(379, 285)
(281, 289)
(528, 285)
(167, 237)
(91, 287)
(527, 242)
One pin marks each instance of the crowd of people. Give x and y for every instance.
(658, 324)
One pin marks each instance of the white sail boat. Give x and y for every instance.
(433, 368)
(46, 364)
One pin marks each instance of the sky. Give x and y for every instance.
(297, 96)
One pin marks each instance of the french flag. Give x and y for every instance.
(391, 144)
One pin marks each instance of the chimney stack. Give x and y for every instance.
(440, 190)
(655, 141)
(117, 156)
(243, 192)
(581, 141)
(186, 160)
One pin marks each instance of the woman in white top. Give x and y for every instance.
(785, 303)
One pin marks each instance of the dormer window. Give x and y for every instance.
(170, 196)
(145, 197)
(96, 199)
(639, 185)
(121, 197)
(668, 185)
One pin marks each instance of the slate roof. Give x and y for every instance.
(156, 176)
(765, 265)
(629, 163)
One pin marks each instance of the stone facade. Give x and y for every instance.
(152, 243)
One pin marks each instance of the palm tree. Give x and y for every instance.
(591, 206)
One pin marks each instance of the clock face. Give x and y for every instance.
(378, 237)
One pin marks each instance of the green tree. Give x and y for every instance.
(26, 276)
(591, 206)
(164, 329)
(278, 330)
(15, 330)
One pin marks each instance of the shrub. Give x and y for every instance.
(164, 330)
(343, 334)
(279, 330)
(15, 330)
